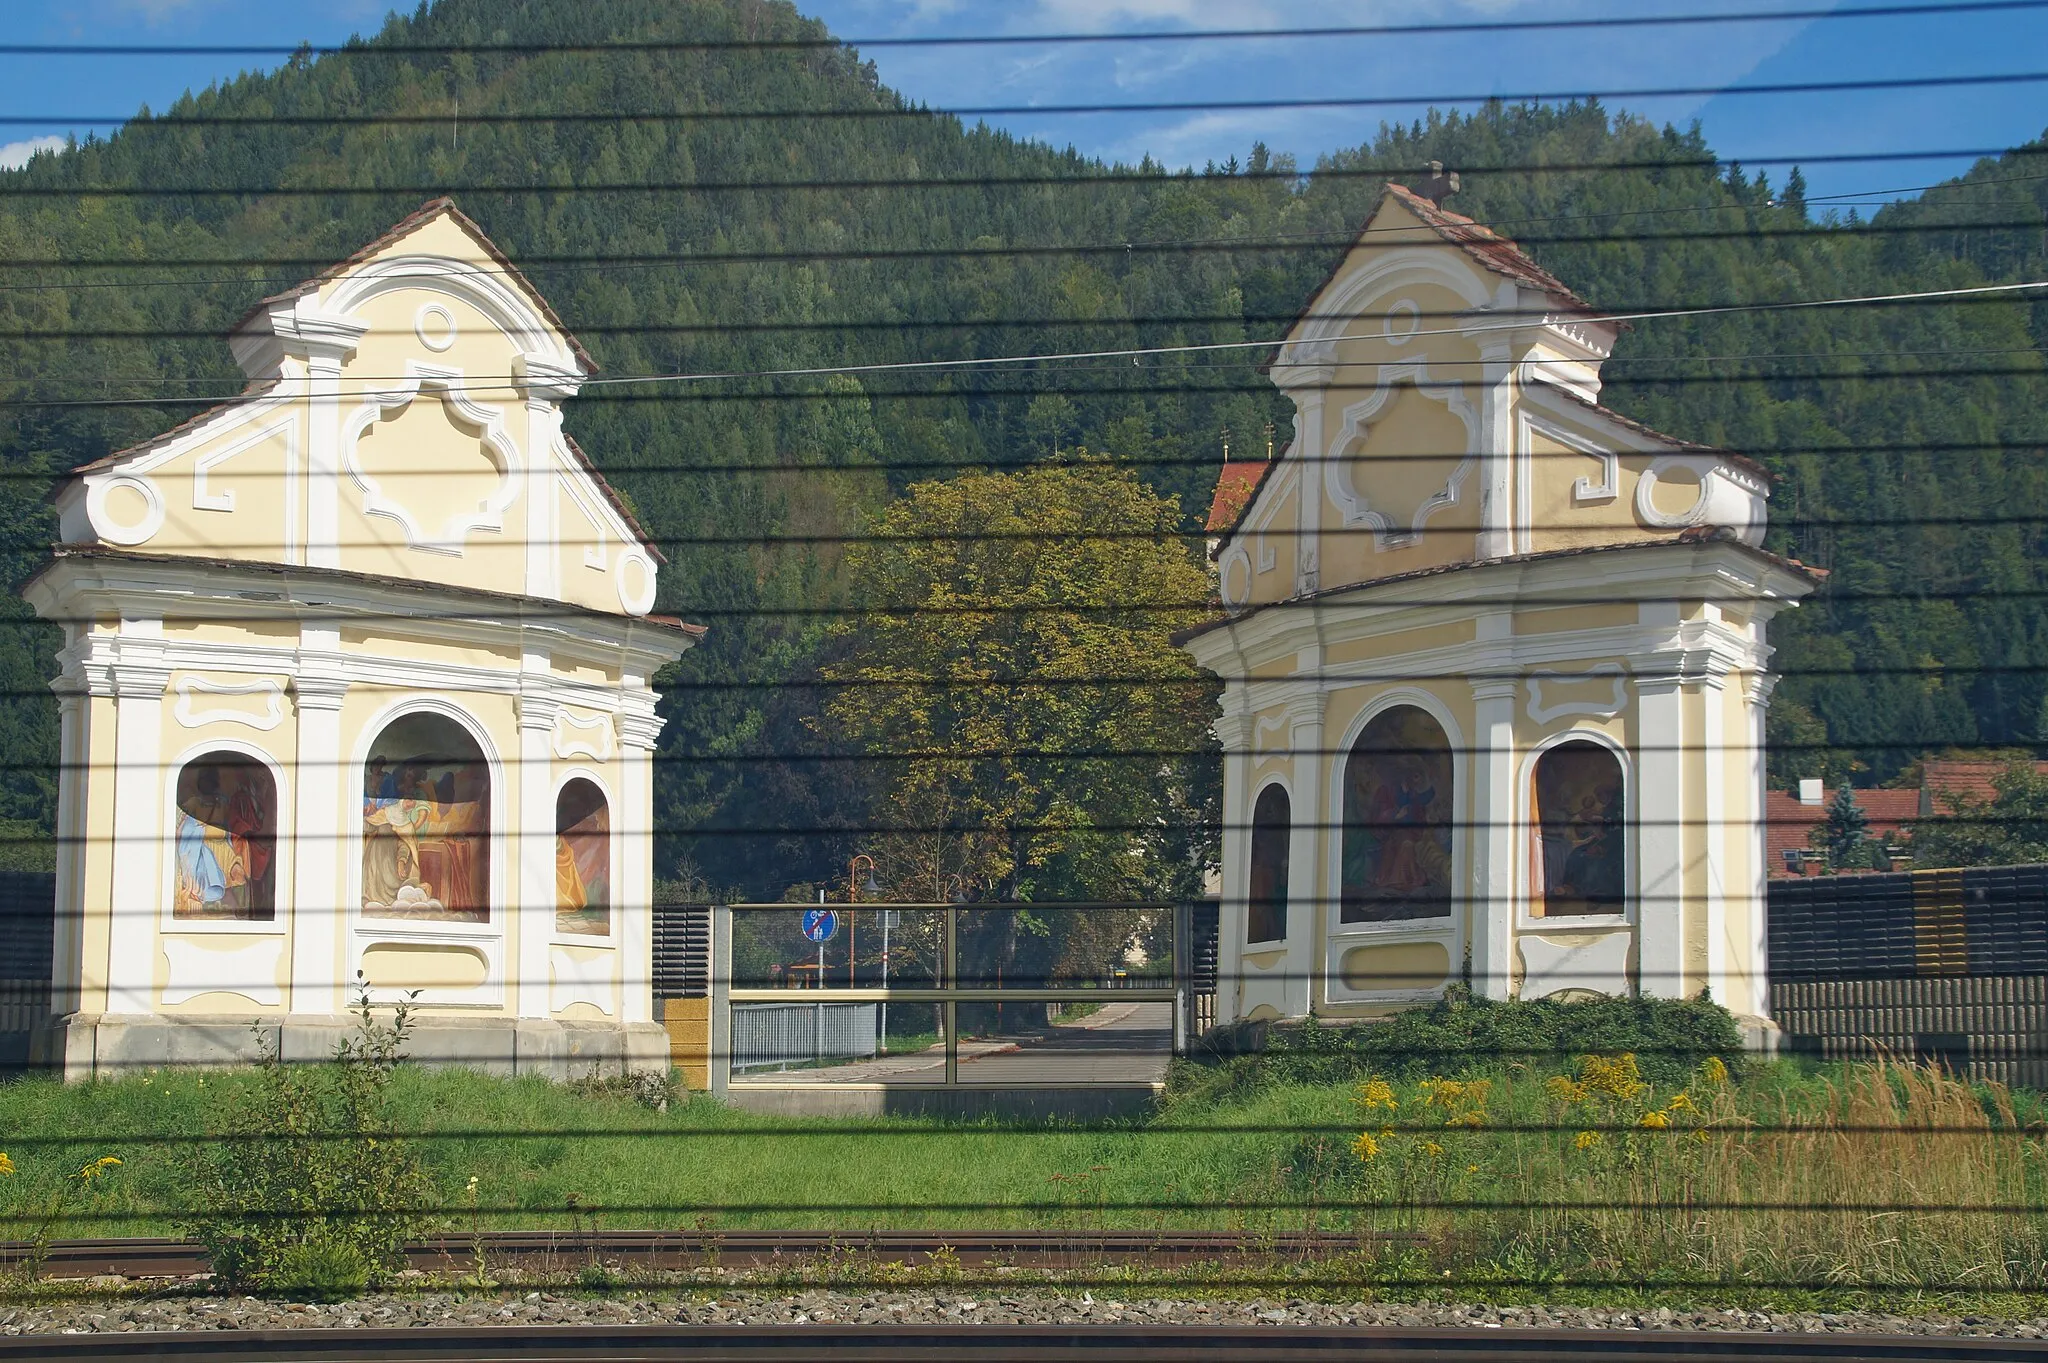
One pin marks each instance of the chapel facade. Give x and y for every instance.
(356, 691)
(1494, 658)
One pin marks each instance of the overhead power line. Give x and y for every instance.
(1323, 32)
(881, 111)
(1090, 178)
(1139, 353)
(1295, 242)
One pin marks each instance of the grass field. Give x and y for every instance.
(1839, 1177)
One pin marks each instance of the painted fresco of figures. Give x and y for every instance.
(225, 865)
(1397, 820)
(426, 823)
(583, 860)
(1581, 824)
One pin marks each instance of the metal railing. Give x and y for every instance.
(799, 1004)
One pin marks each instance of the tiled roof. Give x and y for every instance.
(1234, 488)
(1788, 824)
(1943, 780)
(503, 605)
(1486, 246)
(1701, 534)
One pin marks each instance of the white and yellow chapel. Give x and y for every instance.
(1494, 658)
(356, 690)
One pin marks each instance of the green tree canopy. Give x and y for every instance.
(1010, 667)
(2010, 828)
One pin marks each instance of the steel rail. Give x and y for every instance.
(661, 1250)
(998, 1344)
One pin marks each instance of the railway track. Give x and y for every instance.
(996, 1344)
(673, 1250)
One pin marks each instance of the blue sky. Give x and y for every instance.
(52, 94)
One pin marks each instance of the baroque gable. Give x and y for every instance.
(1446, 392)
(403, 420)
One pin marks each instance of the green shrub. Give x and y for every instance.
(305, 1190)
(1462, 1034)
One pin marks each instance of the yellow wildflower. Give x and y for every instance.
(1680, 1102)
(1471, 1168)
(1655, 1120)
(1616, 1077)
(6, 1164)
(97, 1167)
(1376, 1093)
(1586, 1140)
(1365, 1147)
(1432, 1149)
(1713, 1071)
(1566, 1089)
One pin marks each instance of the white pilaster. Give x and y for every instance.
(1309, 916)
(327, 801)
(1308, 490)
(1757, 890)
(639, 734)
(1492, 836)
(74, 716)
(1233, 729)
(1496, 449)
(533, 909)
(546, 385)
(1713, 758)
(1660, 835)
(141, 829)
(323, 461)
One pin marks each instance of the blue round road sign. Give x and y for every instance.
(820, 925)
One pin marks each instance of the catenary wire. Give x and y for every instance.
(1327, 31)
(883, 110)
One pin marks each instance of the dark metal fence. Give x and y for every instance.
(1941, 965)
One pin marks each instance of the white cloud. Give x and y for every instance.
(15, 155)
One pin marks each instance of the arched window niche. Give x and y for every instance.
(583, 860)
(1580, 847)
(1266, 904)
(1398, 799)
(426, 823)
(226, 839)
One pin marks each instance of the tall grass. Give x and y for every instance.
(1887, 1174)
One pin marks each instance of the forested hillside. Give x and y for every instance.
(864, 232)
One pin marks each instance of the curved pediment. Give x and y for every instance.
(1446, 392)
(404, 419)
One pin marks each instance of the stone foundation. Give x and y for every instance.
(107, 1045)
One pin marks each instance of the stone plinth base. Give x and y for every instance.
(108, 1045)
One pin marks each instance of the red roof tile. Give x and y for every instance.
(1944, 780)
(1788, 824)
(1486, 246)
(1234, 489)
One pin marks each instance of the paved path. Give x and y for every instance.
(1121, 1043)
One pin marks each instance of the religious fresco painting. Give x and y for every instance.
(583, 860)
(226, 863)
(1397, 820)
(1266, 906)
(426, 823)
(1581, 857)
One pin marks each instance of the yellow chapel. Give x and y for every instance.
(1494, 658)
(356, 686)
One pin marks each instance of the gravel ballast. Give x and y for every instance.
(1008, 1307)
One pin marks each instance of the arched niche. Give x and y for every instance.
(426, 823)
(1266, 904)
(225, 835)
(583, 859)
(1398, 798)
(1579, 844)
